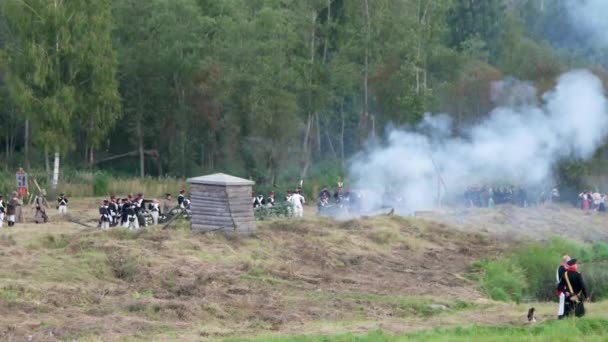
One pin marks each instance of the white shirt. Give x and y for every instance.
(297, 200)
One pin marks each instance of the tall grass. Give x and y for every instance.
(528, 272)
(89, 184)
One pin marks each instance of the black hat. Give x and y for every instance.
(571, 262)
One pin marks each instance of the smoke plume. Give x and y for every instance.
(589, 18)
(519, 142)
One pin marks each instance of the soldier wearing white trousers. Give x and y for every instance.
(104, 216)
(154, 208)
(62, 204)
(2, 211)
(297, 201)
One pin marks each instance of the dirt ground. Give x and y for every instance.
(63, 281)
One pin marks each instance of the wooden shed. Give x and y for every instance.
(220, 202)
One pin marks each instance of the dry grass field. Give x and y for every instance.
(64, 281)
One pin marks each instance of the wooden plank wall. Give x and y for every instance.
(222, 208)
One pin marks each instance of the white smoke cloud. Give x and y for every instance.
(589, 17)
(520, 141)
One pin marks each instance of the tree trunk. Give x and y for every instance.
(342, 133)
(47, 163)
(7, 148)
(86, 154)
(305, 147)
(364, 111)
(328, 23)
(140, 143)
(318, 133)
(92, 157)
(55, 181)
(27, 144)
(331, 145)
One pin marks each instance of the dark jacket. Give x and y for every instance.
(576, 280)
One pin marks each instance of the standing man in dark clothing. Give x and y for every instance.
(181, 197)
(104, 215)
(576, 292)
(113, 208)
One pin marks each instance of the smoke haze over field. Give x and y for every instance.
(589, 18)
(520, 141)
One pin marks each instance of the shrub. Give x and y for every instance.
(123, 266)
(503, 280)
(101, 184)
(533, 266)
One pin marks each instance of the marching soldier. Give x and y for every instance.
(62, 204)
(41, 205)
(104, 215)
(2, 211)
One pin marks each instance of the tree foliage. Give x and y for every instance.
(262, 89)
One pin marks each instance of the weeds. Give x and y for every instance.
(54, 241)
(528, 272)
(124, 266)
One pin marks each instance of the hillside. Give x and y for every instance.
(63, 281)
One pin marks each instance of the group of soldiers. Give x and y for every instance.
(488, 197)
(131, 212)
(12, 209)
(295, 201)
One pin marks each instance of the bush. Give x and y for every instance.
(533, 267)
(124, 266)
(503, 280)
(101, 184)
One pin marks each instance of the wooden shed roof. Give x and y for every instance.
(220, 179)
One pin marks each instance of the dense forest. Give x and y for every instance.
(264, 89)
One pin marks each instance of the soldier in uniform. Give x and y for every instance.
(576, 293)
(113, 208)
(297, 202)
(2, 211)
(104, 215)
(338, 196)
(258, 201)
(561, 292)
(154, 208)
(41, 205)
(130, 215)
(62, 204)
(12, 208)
(270, 200)
(181, 197)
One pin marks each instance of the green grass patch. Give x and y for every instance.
(528, 272)
(566, 330)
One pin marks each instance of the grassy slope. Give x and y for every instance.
(315, 276)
